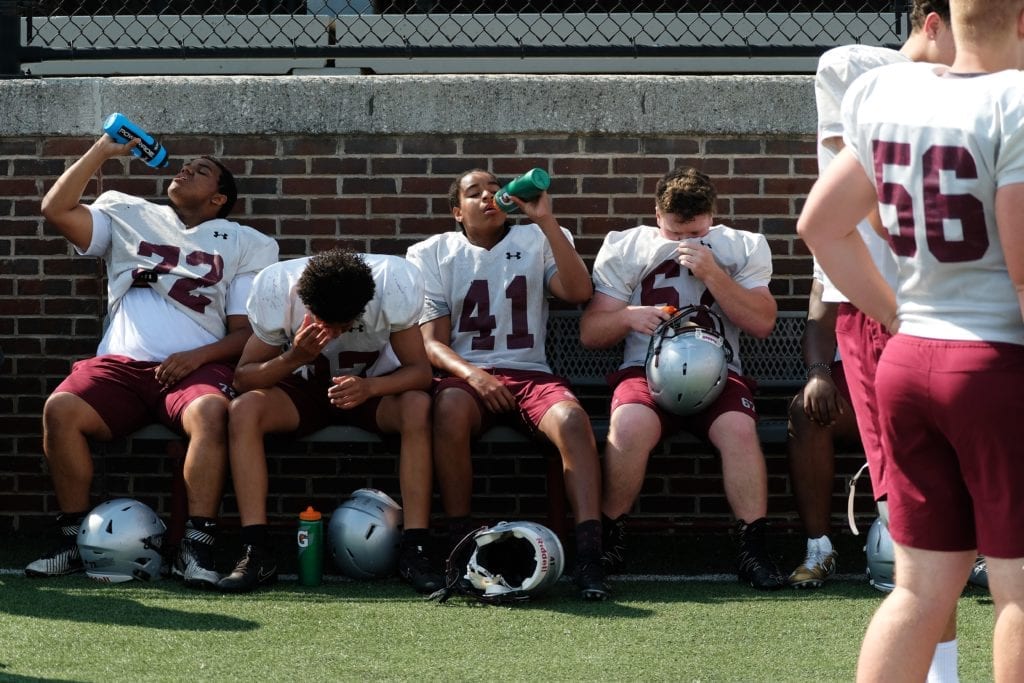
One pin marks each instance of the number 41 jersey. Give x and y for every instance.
(496, 297)
(937, 145)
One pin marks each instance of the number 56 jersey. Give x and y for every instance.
(496, 297)
(937, 146)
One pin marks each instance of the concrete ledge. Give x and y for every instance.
(410, 105)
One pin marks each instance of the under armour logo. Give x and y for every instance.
(222, 235)
(227, 390)
(509, 255)
(357, 328)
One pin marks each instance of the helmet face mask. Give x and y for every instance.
(120, 540)
(881, 557)
(687, 363)
(364, 534)
(508, 562)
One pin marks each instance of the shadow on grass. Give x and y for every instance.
(59, 599)
(15, 678)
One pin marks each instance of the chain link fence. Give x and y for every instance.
(194, 29)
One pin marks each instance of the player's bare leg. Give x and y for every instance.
(745, 478)
(408, 414)
(1006, 582)
(205, 420)
(251, 416)
(633, 432)
(568, 427)
(68, 423)
(901, 638)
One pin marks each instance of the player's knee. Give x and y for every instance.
(453, 413)
(65, 412)
(414, 410)
(207, 416)
(245, 413)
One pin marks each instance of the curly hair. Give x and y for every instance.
(336, 285)
(686, 192)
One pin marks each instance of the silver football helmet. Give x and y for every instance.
(510, 561)
(120, 540)
(364, 534)
(881, 557)
(688, 361)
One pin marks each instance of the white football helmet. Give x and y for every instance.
(510, 561)
(120, 540)
(364, 534)
(688, 362)
(881, 557)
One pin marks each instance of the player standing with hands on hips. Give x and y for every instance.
(178, 278)
(941, 152)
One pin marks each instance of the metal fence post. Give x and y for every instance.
(10, 38)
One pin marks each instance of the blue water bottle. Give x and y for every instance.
(122, 129)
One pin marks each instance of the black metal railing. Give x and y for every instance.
(41, 30)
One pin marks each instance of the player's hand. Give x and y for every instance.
(310, 340)
(645, 319)
(822, 401)
(112, 148)
(693, 255)
(177, 367)
(494, 394)
(537, 209)
(348, 391)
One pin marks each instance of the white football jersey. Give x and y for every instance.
(190, 267)
(639, 266)
(276, 313)
(497, 298)
(937, 146)
(838, 68)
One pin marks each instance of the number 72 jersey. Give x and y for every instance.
(937, 146)
(496, 297)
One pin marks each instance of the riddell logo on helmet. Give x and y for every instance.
(545, 558)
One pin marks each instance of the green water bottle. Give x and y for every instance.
(526, 187)
(311, 547)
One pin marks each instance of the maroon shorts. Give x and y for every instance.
(630, 386)
(839, 379)
(861, 341)
(951, 418)
(535, 393)
(309, 396)
(127, 395)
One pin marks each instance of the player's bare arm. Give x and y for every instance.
(349, 391)
(61, 205)
(263, 365)
(752, 310)
(571, 283)
(822, 403)
(436, 339)
(607, 321)
(828, 224)
(1010, 224)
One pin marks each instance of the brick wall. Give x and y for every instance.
(377, 193)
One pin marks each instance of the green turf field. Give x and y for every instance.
(72, 629)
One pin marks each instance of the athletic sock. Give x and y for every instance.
(255, 535)
(944, 663)
(588, 541)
